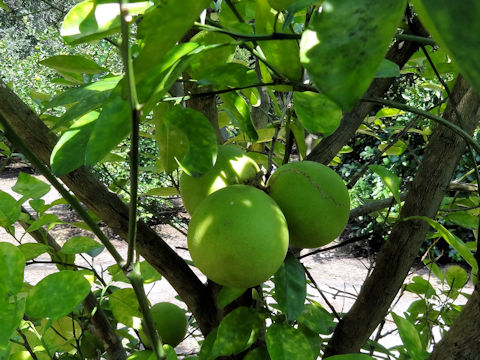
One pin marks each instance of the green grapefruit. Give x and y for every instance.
(170, 322)
(314, 200)
(232, 166)
(238, 236)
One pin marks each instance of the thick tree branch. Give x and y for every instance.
(36, 135)
(329, 147)
(397, 255)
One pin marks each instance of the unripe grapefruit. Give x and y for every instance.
(170, 322)
(233, 166)
(238, 236)
(314, 200)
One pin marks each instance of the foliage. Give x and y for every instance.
(140, 91)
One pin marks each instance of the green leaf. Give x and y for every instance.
(45, 219)
(12, 267)
(239, 111)
(238, 330)
(4, 6)
(390, 180)
(79, 244)
(464, 219)
(32, 250)
(445, 21)
(343, 63)
(350, 357)
(387, 69)
(162, 191)
(30, 187)
(456, 277)
(11, 313)
(57, 295)
(396, 149)
(149, 274)
(410, 338)
(227, 295)
(69, 152)
(421, 286)
(388, 112)
(73, 63)
(202, 141)
(317, 113)
(228, 75)
(143, 355)
(434, 268)
(285, 342)
(205, 352)
(317, 319)
(125, 307)
(259, 353)
(96, 19)
(290, 287)
(162, 28)
(10, 210)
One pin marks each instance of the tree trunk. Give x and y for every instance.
(108, 206)
(397, 255)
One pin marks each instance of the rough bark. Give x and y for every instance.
(108, 206)
(329, 147)
(397, 255)
(462, 341)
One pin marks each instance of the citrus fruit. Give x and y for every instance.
(314, 200)
(232, 166)
(238, 236)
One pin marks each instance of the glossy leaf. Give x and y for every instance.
(125, 307)
(32, 250)
(50, 219)
(238, 330)
(202, 141)
(96, 19)
(290, 287)
(317, 319)
(464, 219)
(162, 28)
(421, 287)
(390, 180)
(149, 274)
(396, 149)
(11, 313)
(69, 152)
(72, 63)
(456, 277)
(445, 21)
(227, 295)
(30, 187)
(228, 75)
(342, 64)
(285, 342)
(10, 209)
(410, 338)
(11, 269)
(162, 191)
(80, 244)
(317, 113)
(239, 112)
(57, 295)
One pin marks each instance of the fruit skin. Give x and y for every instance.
(238, 236)
(233, 166)
(170, 322)
(314, 200)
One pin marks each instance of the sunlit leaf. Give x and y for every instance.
(50, 219)
(317, 319)
(125, 307)
(286, 342)
(11, 313)
(410, 337)
(162, 191)
(342, 64)
(456, 277)
(10, 209)
(32, 250)
(11, 269)
(421, 286)
(396, 149)
(80, 244)
(73, 63)
(317, 113)
(391, 180)
(30, 187)
(57, 294)
(239, 112)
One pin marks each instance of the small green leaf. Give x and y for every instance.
(387, 69)
(45, 219)
(11, 313)
(396, 149)
(456, 277)
(239, 112)
(32, 250)
(125, 307)
(434, 268)
(162, 191)
(73, 63)
(317, 113)
(238, 330)
(421, 286)
(202, 141)
(57, 295)
(290, 287)
(286, 342)
(143, 355)
(149, 274)
(79, 244)
(228, 75)
(10, 210)
(259, 353)
(410, 337)
(388, 112)
(30, 187)
(464, 219)
(317, 319)
(227, 295)
(11, 269)
(4, 6)
(343, 64)
(391, 180)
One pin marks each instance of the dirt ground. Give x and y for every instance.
(338, 274)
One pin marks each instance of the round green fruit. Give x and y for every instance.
(170, 322)
(314, 200)
(233, 166)
(238, 236)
